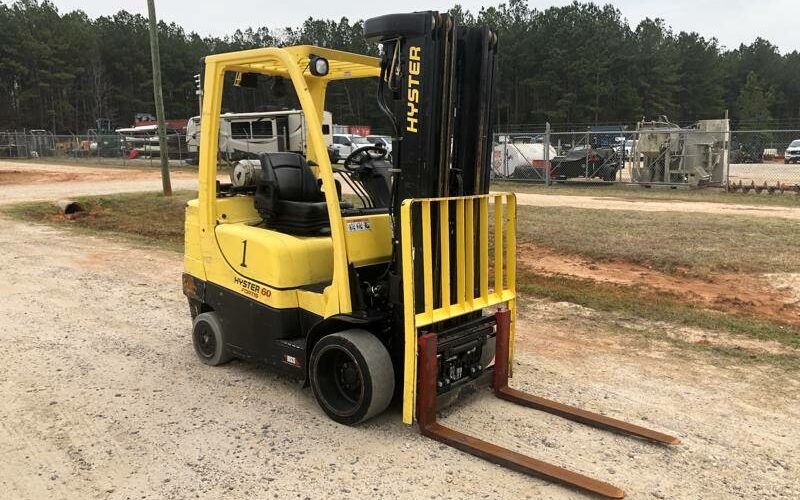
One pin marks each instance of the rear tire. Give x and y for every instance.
(208, 338)
(351, 376)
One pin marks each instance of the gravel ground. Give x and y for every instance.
(771, 173)
(103, 398)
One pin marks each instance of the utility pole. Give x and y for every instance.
(159, 100)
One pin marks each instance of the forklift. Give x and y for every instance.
(373, 281)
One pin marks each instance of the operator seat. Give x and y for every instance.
(288, 196)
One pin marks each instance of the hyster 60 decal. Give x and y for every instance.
(251, 289)
(414, 68)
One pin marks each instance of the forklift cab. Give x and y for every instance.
(296, 253)
(296, 257)
(287, 232)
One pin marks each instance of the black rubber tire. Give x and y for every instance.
(208, 338)
(369, 367)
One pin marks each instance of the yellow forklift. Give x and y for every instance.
(404, 289)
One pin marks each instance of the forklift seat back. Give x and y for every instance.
(288, 196)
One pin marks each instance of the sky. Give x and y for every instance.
(731, 21)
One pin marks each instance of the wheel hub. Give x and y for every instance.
(206, 342)
(343, 389)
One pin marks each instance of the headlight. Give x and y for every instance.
(318, 66)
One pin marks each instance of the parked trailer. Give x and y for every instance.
(143, 141)
(246, 135)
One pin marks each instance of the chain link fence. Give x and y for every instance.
(765, 159)
(655, 153)
(109, 148)
(123, 149)
(652, 153)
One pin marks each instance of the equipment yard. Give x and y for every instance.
(520, 252)
(104, 398)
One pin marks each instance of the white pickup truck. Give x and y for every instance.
(345, 144)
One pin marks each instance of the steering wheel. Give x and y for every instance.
(363, 155)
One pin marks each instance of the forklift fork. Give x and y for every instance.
(426, 417)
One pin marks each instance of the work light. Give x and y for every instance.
(318, 66)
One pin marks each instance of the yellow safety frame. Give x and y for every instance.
(291, 63)
(505, 234)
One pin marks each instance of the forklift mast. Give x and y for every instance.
(436, 86)
(439, 77)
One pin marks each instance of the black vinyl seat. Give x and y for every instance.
(288, 196)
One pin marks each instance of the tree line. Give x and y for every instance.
(573, 66)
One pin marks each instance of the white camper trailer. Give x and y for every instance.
(244, 135)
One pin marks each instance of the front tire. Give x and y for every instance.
(351, 376)
(208, 338)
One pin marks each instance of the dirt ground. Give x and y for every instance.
(40, 173)
(772, 295)
(103, 398)
(771, 173)
(21, 181)
(9, 174)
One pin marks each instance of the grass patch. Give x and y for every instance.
(655, 306)
(710, 195)
(668, 241)
(639, 338)
(147, 218)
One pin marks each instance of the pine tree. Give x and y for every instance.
(754, 102)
